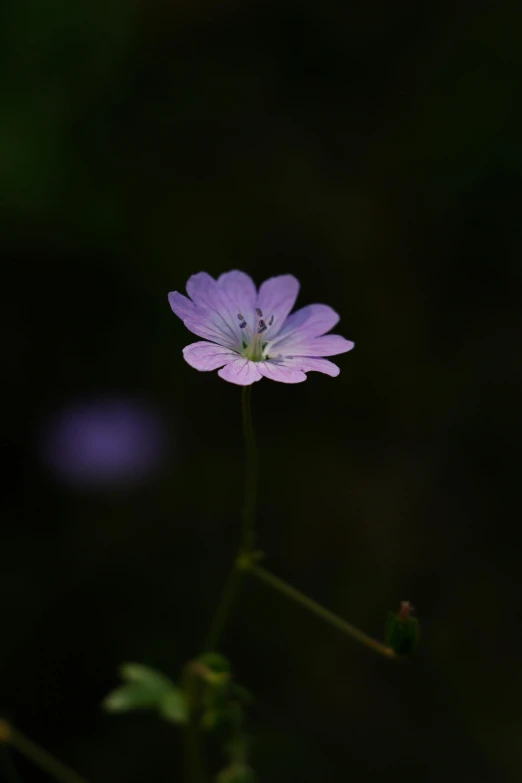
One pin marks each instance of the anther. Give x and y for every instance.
(242, 326)
(271, 321)
(241, 317)
(262, 327)
(258, 311)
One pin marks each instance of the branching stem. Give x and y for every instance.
(320, 611)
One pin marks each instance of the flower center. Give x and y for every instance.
(254, 341)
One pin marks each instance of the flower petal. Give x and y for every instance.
(311, 321)
(206, 294)
(200, 320)
(277, 371)
(206, 316)
(181, 306)
(202, 290)
(240, 371)
(276, 298)
(204, 326)
(306, 364)
(328, 345)
(206, 356)
(239, 289)
(237, 295)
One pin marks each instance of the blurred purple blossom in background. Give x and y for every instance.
(105, 442)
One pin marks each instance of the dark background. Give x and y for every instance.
(373, 149)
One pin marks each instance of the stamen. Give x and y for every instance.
(258, 311)
(262, 327)
(271, 321)
(242, 326)
(241, 317)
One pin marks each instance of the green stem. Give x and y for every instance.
(38, 755)
(251, 474)
(194, 768)
(228, 594)
(312, 606)
(222, 612)
(194, 765)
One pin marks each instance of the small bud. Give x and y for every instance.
(214, 668)
(402, 630)
(405, 610)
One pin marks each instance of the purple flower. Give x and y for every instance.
(104, 442)
(250, 334)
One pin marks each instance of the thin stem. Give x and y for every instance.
(194, 769)
(223, 610)
(228, 594)
(312, 606)
(251, 474)
(194, 765)
(38, 755)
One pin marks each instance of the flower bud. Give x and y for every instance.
(402, 630)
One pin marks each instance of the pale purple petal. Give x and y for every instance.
(206, 356)
(306, 364)
(239, 289)
(199, 320)
(182, 306)
(276, 298)
(207, 296)
(280, 371)
(204, 326)
(238, 295)
(241, 371)
(311, 321)
(202, 289)
(206, 315)
(328, 345)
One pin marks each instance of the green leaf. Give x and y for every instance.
(145, 675)
(130, 697)
(147, 688)
(174, 707)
